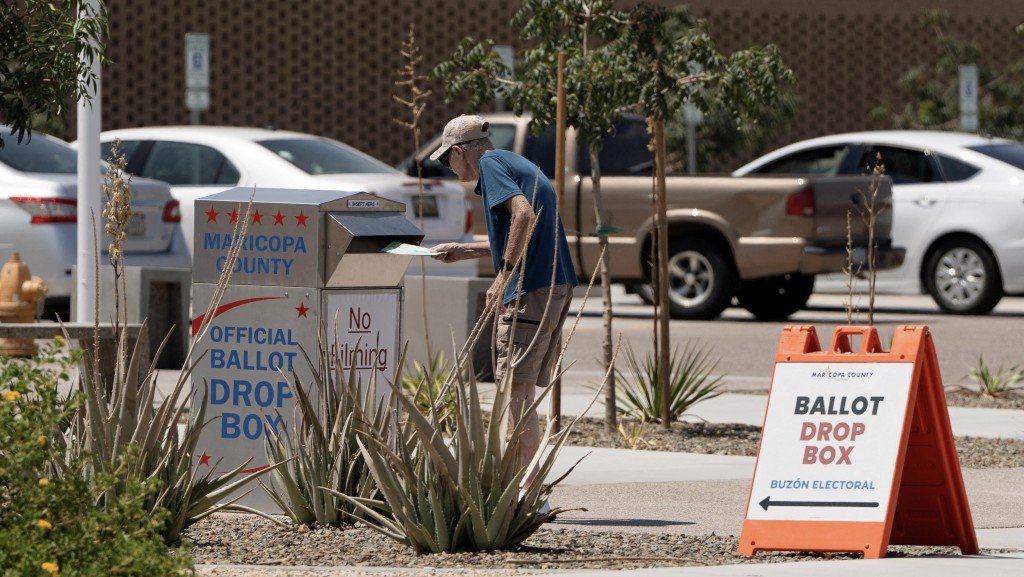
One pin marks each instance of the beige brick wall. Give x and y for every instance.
(329, 66)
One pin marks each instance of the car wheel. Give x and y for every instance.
(962, 276)
(701, 279)
(775, 298)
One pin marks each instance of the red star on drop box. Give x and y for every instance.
(302, 310)
(204, 459)
(301, 219)
(257, 218)
(234, 215)
(211, 215)
(278, 219)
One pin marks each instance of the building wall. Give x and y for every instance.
(330, 66)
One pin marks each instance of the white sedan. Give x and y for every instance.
(201, 160)
(39, 215)
(958, 207)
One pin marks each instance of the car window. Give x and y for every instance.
(128, 149)
(40, 155)
(623, 153)
(823, 161)
(540, 150)
(324, 157)
(503, 136)
(953, 170)
(186, 164)
(902, 165)
(1012, 154)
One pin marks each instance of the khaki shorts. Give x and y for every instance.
(532, 365)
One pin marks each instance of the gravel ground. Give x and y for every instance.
(252, 540)
(239, 539)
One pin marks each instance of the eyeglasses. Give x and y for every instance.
(443, 159)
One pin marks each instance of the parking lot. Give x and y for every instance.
(745, 348)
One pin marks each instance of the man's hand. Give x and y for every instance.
(456, 251)
(450, 252)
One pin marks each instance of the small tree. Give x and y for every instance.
(46, 53)
(593, 91)
(869, 213)
(643, 59)
(673, 58)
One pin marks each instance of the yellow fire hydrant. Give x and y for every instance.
(20, 295)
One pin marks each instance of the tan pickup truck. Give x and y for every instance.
(760, 240)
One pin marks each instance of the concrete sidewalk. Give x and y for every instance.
(657, 492)
(694, 494)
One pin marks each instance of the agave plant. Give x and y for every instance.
(109, 425)
(995, 383)
(460, 492)
(690, 382)
(322, 451)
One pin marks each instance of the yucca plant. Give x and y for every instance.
(121, 416)
(690, 382)
(322, 451)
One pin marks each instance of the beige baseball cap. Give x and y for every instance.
(462, 129)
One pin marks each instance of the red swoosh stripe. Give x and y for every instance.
(198, 321)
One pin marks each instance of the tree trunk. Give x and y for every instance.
(610, 417)
(662, 292)
(556, 388)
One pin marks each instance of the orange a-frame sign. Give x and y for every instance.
(856, 451)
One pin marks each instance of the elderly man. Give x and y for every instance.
(534, 274)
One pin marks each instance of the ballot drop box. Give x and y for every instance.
(307, 264)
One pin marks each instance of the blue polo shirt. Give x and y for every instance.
(504, 174)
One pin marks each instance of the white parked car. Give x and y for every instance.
(39, 215)
(958, 207)
(201, 160)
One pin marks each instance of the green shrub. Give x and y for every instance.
(49, 522)
(429, 386)
(690, 382)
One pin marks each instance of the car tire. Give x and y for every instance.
(962, 277)
(776, 298)
(701, 279)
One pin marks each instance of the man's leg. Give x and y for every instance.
(522, 397)
(533, 365)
